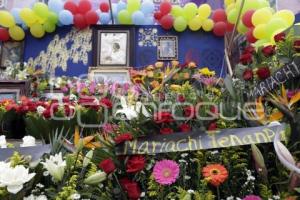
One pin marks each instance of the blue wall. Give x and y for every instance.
(203, 48)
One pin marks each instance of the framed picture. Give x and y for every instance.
(2, 4)
(11, 53)
(113, 46)
(167, 48)
(104, 75)
(13, 94)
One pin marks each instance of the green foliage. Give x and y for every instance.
(265, 192)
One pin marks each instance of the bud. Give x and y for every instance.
(96, 178)
(88, 158)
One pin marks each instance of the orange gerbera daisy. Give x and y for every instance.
(216, 174)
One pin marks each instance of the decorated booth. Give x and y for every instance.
(141, 99)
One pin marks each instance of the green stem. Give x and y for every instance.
(218, 193)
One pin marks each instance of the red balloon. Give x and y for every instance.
(158, 15)
(79, 21)
(166, 22)
(165, 7)
(220, 29)
(104, 7)
(229, 27)
(84, 6)
(91, 17)
(250, 37)
(247, 18)
(4, 35)
(71, 6)
(219, 15)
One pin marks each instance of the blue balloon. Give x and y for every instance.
(149, 21)
(138, 18)
(147, 7)
(65, 17)
(56, 5)
(105, 18)
(121, 6)
(114, 9)
(16, 13)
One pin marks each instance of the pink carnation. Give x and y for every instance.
(166, 172)
(252, 197)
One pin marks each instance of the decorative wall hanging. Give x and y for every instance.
(113, 46)
(167, 48)
(147, 37)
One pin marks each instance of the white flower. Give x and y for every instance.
(142, 194)
(75, 196)
(40, 110)
(32, 197)
(183, 155)
(56, 166)
(96, 178)
(191, 191)
(73, 97)
(28, 141)
(3, 141)
(187, 177)
(14, 178)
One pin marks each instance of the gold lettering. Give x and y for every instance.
(190, 143)
(222, 141)
(248, 139)
(178, 145)
(213, 141)
(154, 144)
(145, 150)
(173, 146)
(130, 145)
(270, 134)
(235, 140)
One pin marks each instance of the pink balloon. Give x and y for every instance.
(91, 17)
(165, 7)
(104, 7)
(71, 6)
(84, 6)
(219, 15)
(220, 29)
(247, 18)
(4, 35)
(166, 22)
(250, 37)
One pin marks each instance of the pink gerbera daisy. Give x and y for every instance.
(166, 172)
(251, 197)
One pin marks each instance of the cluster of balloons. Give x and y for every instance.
(134, 12)
(258, 21)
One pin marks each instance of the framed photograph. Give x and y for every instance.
(11, 53)
(167, 48)
(13, 94)
(113, 46)
(2, 4)
(104, 75)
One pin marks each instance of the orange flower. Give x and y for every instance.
(216, 174)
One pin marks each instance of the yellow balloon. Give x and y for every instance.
(260, 31)
(287, 15)
(229, 8)
(16, 33)
(195, 24)
(37, 30)
(204, 10)
(261, 16)
(208, 25)
(28, 16)
(228, 2)
(6, 19)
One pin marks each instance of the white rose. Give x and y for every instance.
(28, 141)
(3, 141)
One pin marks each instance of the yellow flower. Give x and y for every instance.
(150, 68)
(192, 65)
(150, 74)
(174, 63)
(206, 72)
(216, 91)
(175, 87)
(154, 84)
(159, 64)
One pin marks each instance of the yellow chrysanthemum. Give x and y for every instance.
(206, 72)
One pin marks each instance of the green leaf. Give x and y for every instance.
(229, 86)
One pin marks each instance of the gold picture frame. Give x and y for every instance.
(109, 75)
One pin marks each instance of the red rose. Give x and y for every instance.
(106, 103)
(185, 128)
(246, 58)
(279, 37)
(297, 46)
(135, 164)
(47, 113)
(268, 50)
(166, 131)
(189, 111)
(132, 188)
(69, 111)
(89, 102)
(181, 98)
(107, 165)
(214, 109)
(122, 138)
(11, 106)
(263, 73)
(249, 49)
(163, 117)
(212, 126)
(248, 75)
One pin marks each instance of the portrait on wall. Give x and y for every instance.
(112, 47)
(9, 94)
(104, 75)
(11, 53)
(167, 48)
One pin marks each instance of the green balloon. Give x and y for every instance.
(124, 17)
(251, 5)
(49, 27)
(177, 11)
(52, 17)
(190, 10)
(263, 3)
(232, 15)
(133, 5)
(274, 25)
(180, 24)
(41, 10)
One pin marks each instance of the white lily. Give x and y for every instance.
(14, 178)
(132, 112)
(56, 166)
(96, 178)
